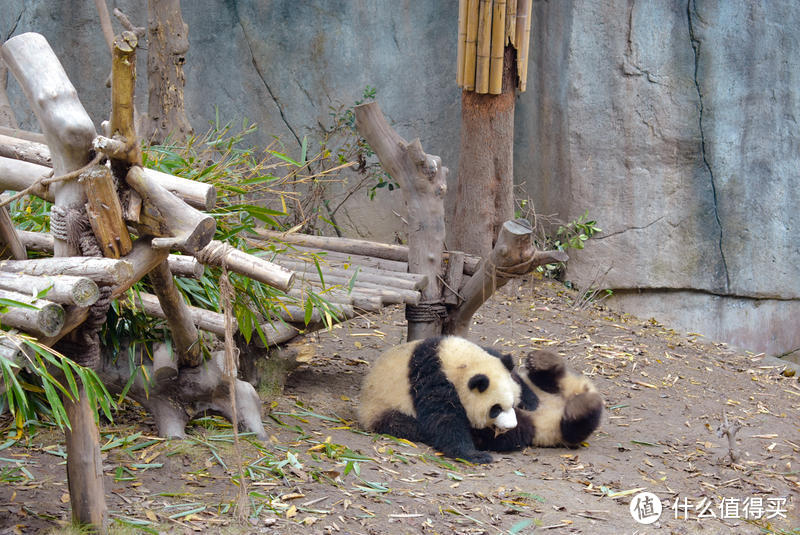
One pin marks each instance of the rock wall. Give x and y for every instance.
(673, 123)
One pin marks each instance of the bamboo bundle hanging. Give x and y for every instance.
(523, 41)
(484, 47)
(485, 28)
(462, 41)
(471, 45)
(498, 46)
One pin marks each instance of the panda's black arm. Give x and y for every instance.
(443, 422)
(512, 440)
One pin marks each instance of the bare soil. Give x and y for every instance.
(666, 394)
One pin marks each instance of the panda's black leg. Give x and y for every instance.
(581, 417)
(545, 370)
(512, 440)
(398, 425)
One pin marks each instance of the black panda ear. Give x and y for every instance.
(507, 361)
(479, 381)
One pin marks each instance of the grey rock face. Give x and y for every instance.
(673, 123)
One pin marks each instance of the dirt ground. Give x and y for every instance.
(666, 394)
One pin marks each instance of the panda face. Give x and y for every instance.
(496, 398)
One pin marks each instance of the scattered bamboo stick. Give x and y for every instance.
(497, 47)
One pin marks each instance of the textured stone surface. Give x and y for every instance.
(673, 123)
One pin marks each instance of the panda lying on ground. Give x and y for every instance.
(435, 391)
(461, 398)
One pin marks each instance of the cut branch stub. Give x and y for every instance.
(513, 256)
(173, 223)
(423, 182)
(105, 212)
(123, 80)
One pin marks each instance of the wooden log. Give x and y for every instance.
(389, 295)
(105, 212)
(344, 245)
(175, 224)
(100, 270)
(36, 241)
(61, 289)
(46, 319)
(217, 253)
(337, 258)
(28, 151)
(7, 117)
(10, 244)
(512, 256)
(197, 194)
(179, 319)
(27, 135)
(355, 273)
(210, 321)
(423, 182)
(367, 303)
(16, 175)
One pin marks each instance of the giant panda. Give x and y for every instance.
(436, 391)
(557, 406)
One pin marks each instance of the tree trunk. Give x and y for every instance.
(484, 195)
(7, 117)
(167, 44)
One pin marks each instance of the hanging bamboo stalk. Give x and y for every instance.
(498, 46)
(462, 41)
(470, 45)
(511, 22)
(523, 31)
(484, 47)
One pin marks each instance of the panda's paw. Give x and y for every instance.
(581, 417)
(545, 370)
(478, 457)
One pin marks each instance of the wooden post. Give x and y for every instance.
(422, 180)
(69, 132)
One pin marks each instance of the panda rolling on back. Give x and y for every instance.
(437, 391)
(557, 407)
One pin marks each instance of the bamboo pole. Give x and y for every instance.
(498, 47)
(471, 45)
(524, 15)
(484, 47)
(511, 23)
(462, 41)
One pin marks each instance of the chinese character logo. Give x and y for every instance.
(645, 508)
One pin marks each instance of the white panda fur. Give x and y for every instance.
(435, 391)
(558, 407)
